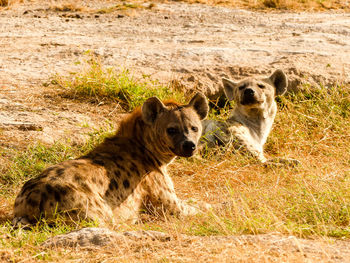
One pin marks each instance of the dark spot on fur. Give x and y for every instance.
(32, 202)
(60, 171)
(42, 202)
(30, 184)
(75, 164)
(85, 188)
(98, 162)
(57, 196)
(100, 182)
(62, 189)
(142, 150)
(49, 189)
(117, 173)
(118, 158)
(78, 178)
(120, 167)
(57, 191)
(126, 183)
(113, 185)
(133, 167)
(94, 180)
(50, 169)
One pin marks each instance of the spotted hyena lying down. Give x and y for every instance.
(251, 120)
(116, 179)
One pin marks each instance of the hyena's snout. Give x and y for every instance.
(248, 96)
(188, 148)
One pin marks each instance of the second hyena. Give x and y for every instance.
(251, 120)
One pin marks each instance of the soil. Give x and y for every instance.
(192, 45)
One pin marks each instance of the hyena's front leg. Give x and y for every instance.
(161, 195)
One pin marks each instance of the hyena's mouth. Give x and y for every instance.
(250, 101)
(183, 153)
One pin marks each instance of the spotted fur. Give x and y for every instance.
(117, 178)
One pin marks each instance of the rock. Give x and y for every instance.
(23, 126)
(100, 237)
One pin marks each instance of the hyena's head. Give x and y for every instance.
(256, 93)
(176, 128)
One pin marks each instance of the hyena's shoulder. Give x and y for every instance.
(231, 134)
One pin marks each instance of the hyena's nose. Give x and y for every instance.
(188, 148)
(249, 92)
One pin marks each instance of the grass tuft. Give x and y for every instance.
(29, 163)
(120, 7)
(67, 6)
(4, 3)
(98, 82)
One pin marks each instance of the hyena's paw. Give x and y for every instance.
(21, 222)
(199, 205)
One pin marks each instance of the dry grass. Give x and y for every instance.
(298, 5)
(9, 3)
(4, 3)
(310, 201)
(67, 7)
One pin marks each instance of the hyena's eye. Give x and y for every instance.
(172, 131)
(261, 86)
(193, 128)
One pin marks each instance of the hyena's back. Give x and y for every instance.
(65, 188)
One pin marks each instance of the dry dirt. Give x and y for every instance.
(154, 246)
(193, 44)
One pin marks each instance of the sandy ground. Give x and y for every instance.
(193, 44)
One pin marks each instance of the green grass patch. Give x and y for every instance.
(106, 83)
(29, 163)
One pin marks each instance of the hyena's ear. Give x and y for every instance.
(200, 104)
(229, 88)
(150, 109)
(280, 81)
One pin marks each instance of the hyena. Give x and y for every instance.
(251, 120)
(117, 178)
